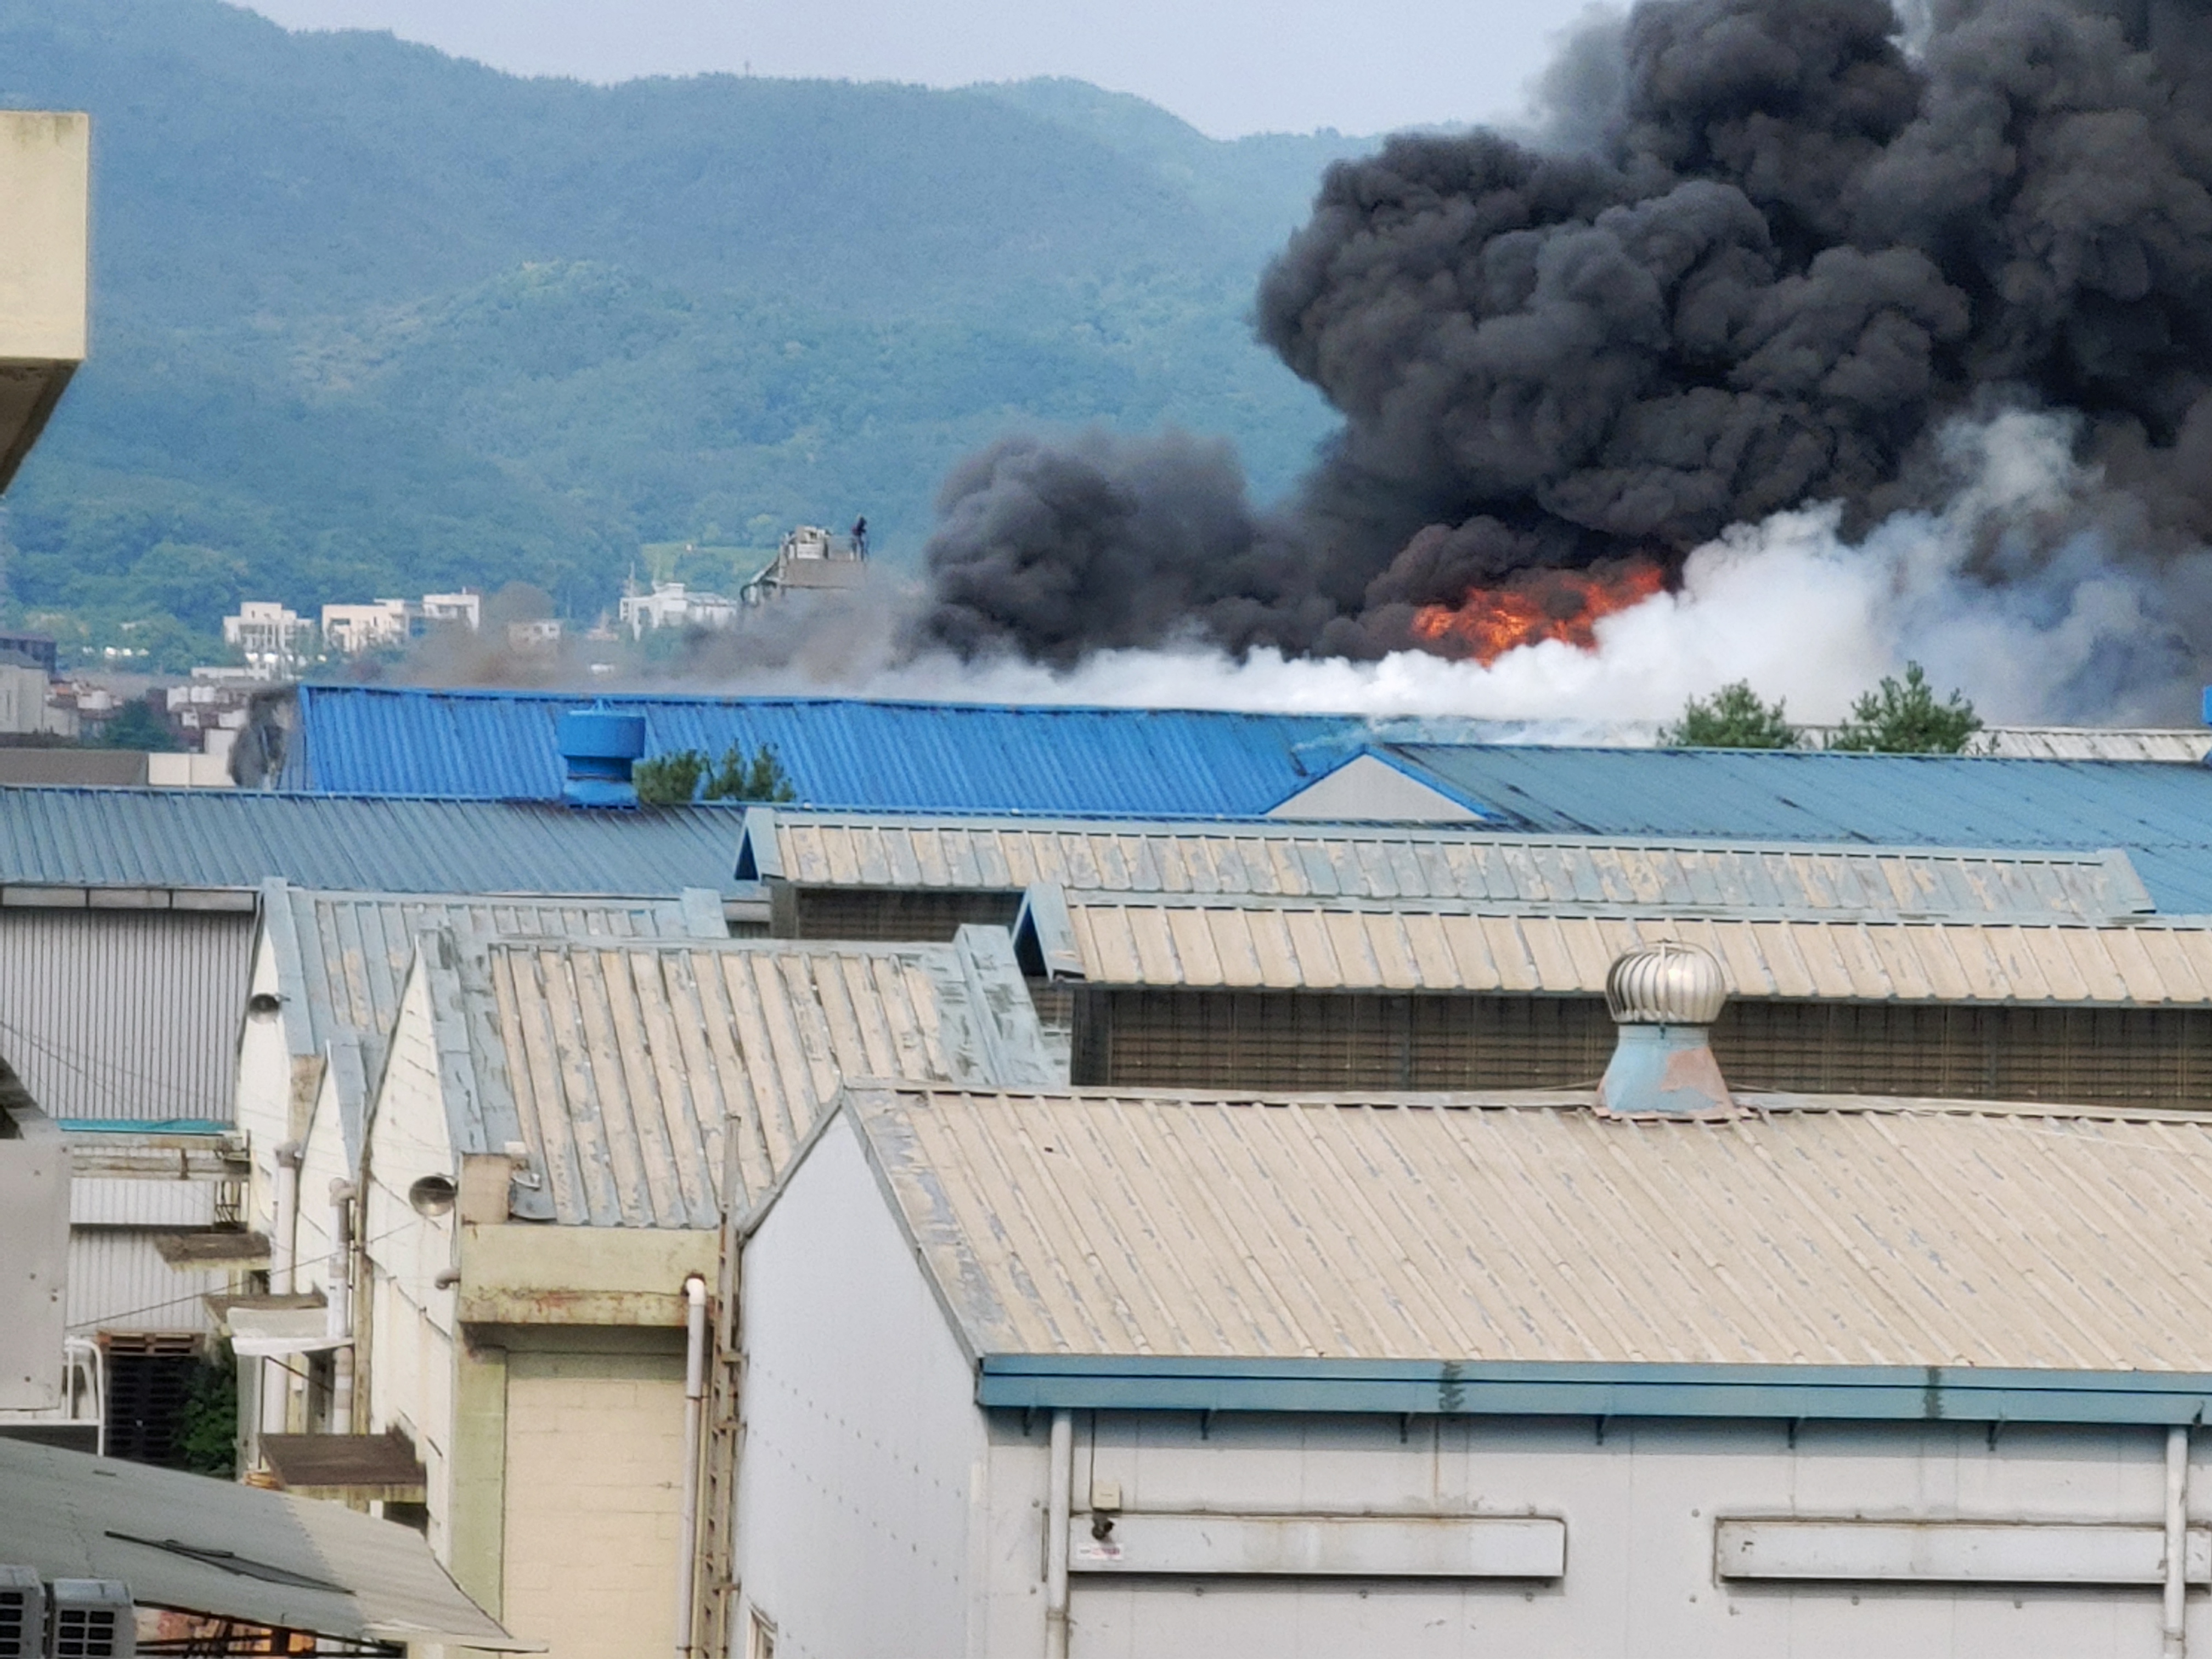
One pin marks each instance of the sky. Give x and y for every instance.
(1229, 67)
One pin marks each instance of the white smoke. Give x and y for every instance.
(1787, 605)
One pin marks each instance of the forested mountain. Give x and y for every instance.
(369, 319)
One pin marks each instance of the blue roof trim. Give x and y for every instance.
(143, 1126)
(1823, 1393)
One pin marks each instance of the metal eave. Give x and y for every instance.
(1786, 1393)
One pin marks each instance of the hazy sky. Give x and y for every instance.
(1228, 66)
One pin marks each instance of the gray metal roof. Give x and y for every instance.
(1848, 1232)
(342, 959)
(1560, 873)
(212, 1547)
(1112, 939)
(645, 1076)
(162, 841)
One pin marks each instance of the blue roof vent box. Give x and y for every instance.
(599, 747)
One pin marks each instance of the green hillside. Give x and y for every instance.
(369, 319)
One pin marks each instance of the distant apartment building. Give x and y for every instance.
(540, 637)
(671, 604)
(351, 629)
(28, 704)
(465, 608)
(274, 639)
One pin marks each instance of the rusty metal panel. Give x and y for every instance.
(1842, 1231)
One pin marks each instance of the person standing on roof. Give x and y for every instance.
(861, 535)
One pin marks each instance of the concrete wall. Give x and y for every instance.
(862, 1484)
(593, 1481)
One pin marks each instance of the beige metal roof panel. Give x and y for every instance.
(1281, 860)
(649, 1080)
(1248, 945)
(1470, 1229)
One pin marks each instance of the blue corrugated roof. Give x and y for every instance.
(2160, 812)
(223, 838)
(895, 756)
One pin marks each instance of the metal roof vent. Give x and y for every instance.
(599, 747)
(1665, 998)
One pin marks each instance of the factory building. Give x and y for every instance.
(1181, 1374)
(560, 1126)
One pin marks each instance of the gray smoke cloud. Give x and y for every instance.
(1765, 254)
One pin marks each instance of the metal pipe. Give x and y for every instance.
(339, 1315)
(2174, 1630)
(284, 1226)
(1058, 1480)
(694, 1411)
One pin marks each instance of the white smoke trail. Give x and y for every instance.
(1787, 605)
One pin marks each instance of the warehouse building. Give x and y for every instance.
(129, 922)
(1177, 1375)
(559, 1127)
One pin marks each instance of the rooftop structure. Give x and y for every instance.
(161, 847)
(1055, 1226)
(1452, 864)
(232, 1553)
(1367, 1372)
(45, 170)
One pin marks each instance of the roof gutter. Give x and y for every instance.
(1786, 1392)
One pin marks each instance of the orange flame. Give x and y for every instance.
(1536, 605)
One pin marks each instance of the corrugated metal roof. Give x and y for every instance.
(1434, 863)
(2161, 815)
(213, 1546)
(342, 959)
(343, 964)
(644, 1078)
(1471, 1229)
(237, 839)
(913, 756)
(1350, 946)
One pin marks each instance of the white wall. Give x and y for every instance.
(881, 1513)
(410, 1370)
(262, 1095)
(1640, 1510)
(865, 1458)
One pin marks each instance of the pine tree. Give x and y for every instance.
(1732, 718)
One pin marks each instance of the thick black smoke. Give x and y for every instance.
(1785, 249)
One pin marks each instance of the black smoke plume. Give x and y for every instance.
(1774, 248)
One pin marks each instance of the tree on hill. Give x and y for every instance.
(1904, 719)
(136, 726)
(1732, 718)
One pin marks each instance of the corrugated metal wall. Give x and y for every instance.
(118, 1282)
(930, 916)
(124, 1014)
(1296, 1040)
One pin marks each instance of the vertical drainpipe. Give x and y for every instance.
(2174, 1629)
(283, 1254)
(695, 1409)
(1059, 1478)
(339, 1317)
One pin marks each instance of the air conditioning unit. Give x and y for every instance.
(91, 1619)
(22, 1613)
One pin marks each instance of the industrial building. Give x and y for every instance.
(558, 1129)
(1173, 1374)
